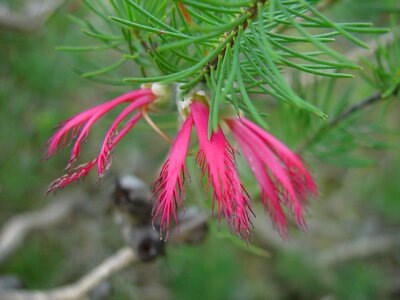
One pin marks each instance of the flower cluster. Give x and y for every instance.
(77, 128)
(284, 181)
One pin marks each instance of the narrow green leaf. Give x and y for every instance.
(87, 48)
(102, 36)
(154, 19)
(184, 73)
(216, 8)
(104, 70)
(301, 30)
(314, 71)
(216, 99)
(220, 30)
(333, 25)
(247, 101)
(232, 70)
(146, 28)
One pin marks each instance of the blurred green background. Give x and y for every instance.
(38, 88)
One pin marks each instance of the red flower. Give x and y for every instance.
(168, 187)
(281, 175)
(216, 158)
(283, 179)
(77, 128)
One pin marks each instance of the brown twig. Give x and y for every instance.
(14, 231)
(360, 248)
(37, 13)
(114, 264)
(109, 267)
(375, 98)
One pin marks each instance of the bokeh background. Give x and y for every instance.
(351, 249)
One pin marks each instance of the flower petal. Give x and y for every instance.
(142, 97)
(269, 192)
(74, 175)
(169, 188)
(283, 178)
(109, 140)
(301, 177)
(83, 170)
(216, 157)
(69, 129)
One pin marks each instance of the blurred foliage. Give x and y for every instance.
(39, 266)
(357, 282)
(38, 88)
(383, 193)
(299, 275)
(35, 86)
(213, 270)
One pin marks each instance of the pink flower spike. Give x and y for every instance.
(169, 188)
(84, 169)
(269, 193)
(216, 158)
(84, 121)
(302, 178)
(109, 140)
(67, 131)
(290, 179)
(104, 160)
(72, 126)
(241, 219)
(74, 175)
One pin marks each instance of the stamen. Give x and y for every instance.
(149, 121)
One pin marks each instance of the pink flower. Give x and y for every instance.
(77, 128)
(216, 158)
(284, 181)
(281, 175)
(168, 187)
